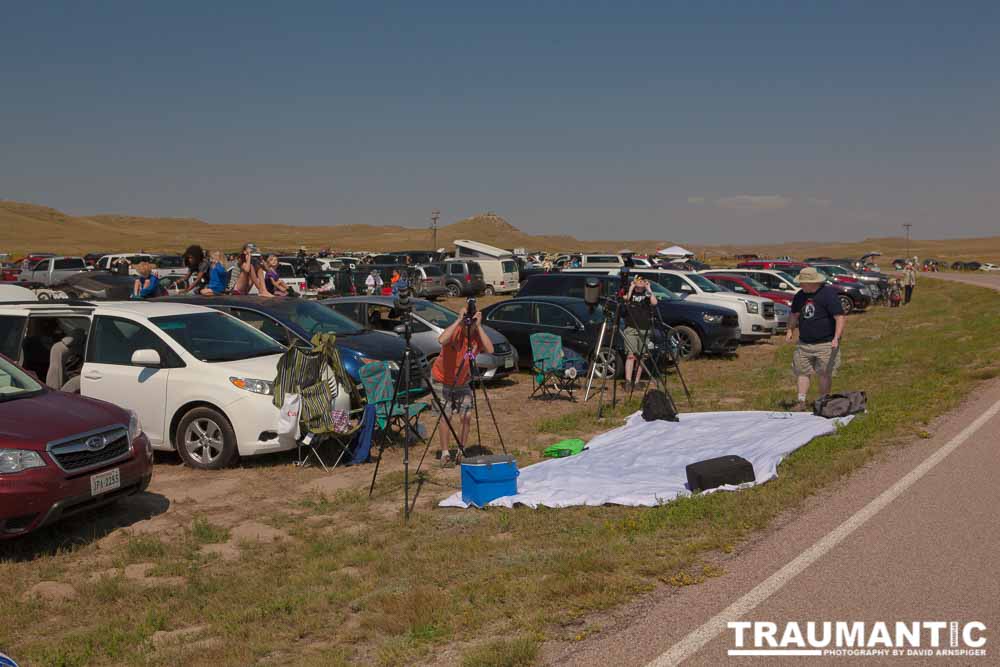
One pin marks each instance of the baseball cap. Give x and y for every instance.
(811, 275)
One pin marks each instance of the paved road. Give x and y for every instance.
(931, 551)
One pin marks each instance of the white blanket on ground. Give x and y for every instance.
(643, 463)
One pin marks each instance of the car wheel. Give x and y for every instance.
(454, 290)
(846, 304)
(609, 364)
(489, 291)
(205, 439)
(687, 343)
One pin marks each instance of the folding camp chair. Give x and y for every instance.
(551, 372)
(379, 386)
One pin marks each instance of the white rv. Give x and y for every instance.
(499, 266)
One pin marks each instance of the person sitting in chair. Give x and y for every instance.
(452, 372)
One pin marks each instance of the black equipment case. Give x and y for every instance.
(705, 475)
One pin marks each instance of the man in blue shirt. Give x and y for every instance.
(819, 319)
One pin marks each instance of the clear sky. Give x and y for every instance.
(696, 122)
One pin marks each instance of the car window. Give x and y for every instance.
(42, 266)
(551, 315)
(215, 337)
(456, 269)
(69, 263)
(508, 266)
(382, 317)
(437, 315)
(602, 259)
(432, 271)
(349, 310)
(475, 269)
(671, 282)
(703, 283)
(114, 341)
(262, 323)
(11, 330)
(512, 312)
(315, 319)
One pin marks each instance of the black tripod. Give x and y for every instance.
(610, 368)
(402, 398)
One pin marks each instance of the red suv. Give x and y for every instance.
(747, 285)
(61, 453)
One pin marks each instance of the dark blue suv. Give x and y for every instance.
(290, 321)
(698, 328)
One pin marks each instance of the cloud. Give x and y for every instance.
(697, 201)
(819, 203)
(753, 202)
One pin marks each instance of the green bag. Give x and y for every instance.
(565, 448)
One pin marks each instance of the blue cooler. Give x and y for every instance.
(486, 478)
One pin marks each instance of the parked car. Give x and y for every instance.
(698, 328)
(735, 284)
(987, 266)
(876, 282)
(569, 318)
(853, 296)
(747, 285)
(291, 321)
(170, 266)
(428, 282)
(53, 270)
(106, 262)
(200, 380)
(97, 285)
(756, 314)
(463, 277)
(790, 267)
(429, 322)
(61, 454)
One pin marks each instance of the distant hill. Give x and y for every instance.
(33, 228)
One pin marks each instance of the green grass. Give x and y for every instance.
(205, 532)
(365, 588)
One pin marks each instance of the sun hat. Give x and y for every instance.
(811, 275)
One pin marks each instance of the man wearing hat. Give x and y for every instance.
(819, 319)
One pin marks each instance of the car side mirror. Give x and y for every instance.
(147, 358)
(400, 329)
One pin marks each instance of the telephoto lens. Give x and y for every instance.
(470, 310)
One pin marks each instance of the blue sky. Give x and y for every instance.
(696, 122)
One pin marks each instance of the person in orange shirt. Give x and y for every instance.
(452, 372)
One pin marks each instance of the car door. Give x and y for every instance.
(109, 375)
(514, 319)
(554, 319)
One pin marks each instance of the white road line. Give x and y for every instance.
(693, 642)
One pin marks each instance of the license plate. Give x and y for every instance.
(105, 481)
(508, 363)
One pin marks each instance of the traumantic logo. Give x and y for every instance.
(858, 638)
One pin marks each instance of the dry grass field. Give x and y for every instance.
(33, 228)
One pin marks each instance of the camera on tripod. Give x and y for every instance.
(403, 302)
(470, 312)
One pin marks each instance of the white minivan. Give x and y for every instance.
(200, 380)
(500, 272)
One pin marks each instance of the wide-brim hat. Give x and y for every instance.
(811, 275)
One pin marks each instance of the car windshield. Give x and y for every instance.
(832, 270)
(437, 315)
(703, 283)
(787, 278)
(759, 286)
(15, 383)
(215, 336)
(315, 318)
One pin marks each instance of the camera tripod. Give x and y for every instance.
(401, 397)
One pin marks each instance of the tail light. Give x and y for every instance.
(468, 278)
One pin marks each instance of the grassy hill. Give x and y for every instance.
(34, 228)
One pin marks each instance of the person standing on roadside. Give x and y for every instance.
(819, 319)
(909, 282)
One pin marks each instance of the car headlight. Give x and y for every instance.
(134, 425)
(753, 307)
(17, 460)
(393, 366)
(709, 318)
(253, 385)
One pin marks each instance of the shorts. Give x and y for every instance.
(634, 339)
(815, 359)
(456, 399)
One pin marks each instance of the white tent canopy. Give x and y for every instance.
(675, 251)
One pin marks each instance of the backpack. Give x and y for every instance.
(657, 405)
(840, 405)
